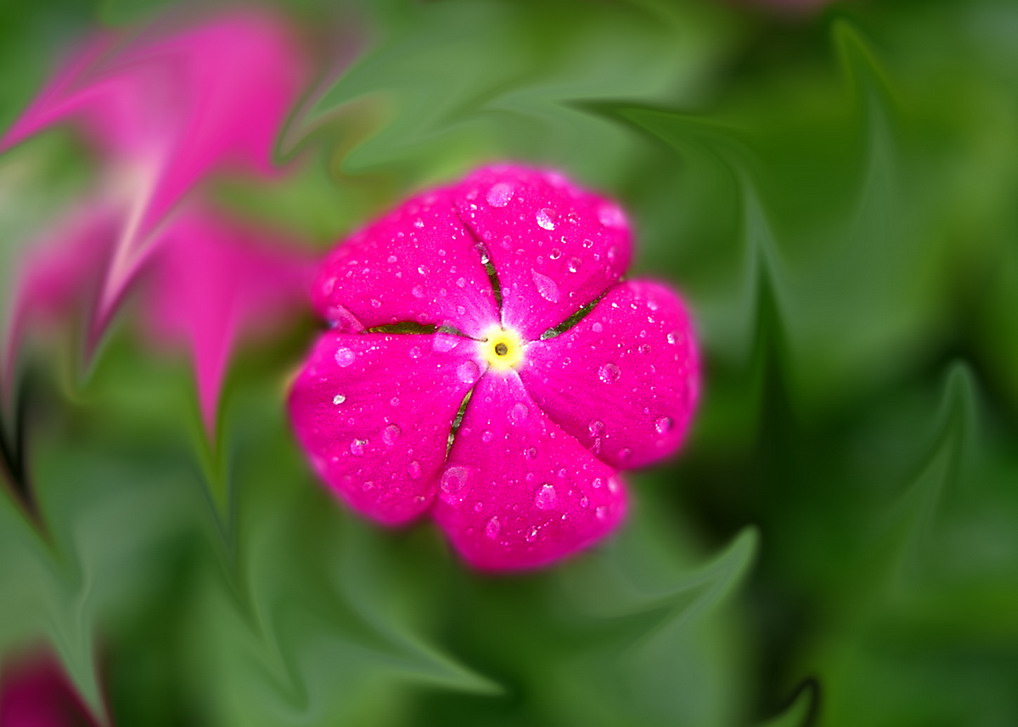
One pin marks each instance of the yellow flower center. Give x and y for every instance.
(502, 348)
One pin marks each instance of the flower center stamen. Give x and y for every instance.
(502, 349)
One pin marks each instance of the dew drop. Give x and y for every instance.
(597, 327)
(672, 338)
(418, 291)
(453, 480)
(574, 264)
(394, 401)
(357, 446)
(422, 269)
(500, 194)
(532, 535)
(546, 218)
(487, 436)
(413, 470)
(610, 215)
(609, 373)
(468, 372)
(545, 286)
(419, 224)
(596, 428)
(530, 453)
(555, 254)
(391, 259)
(602, 513)
(493, 528)
(344, 357)
(415, 352)
(663, 425)
(390, 434)
(519, 413)
(546, 497)
(644, 348)
(338, 399)
(376, 303)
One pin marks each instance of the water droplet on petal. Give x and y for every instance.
(415, 352)
(357, 446)
(442, 343)
(574, 264)
(555, 254)
(493, 528)
(391, 259)
(610, 215)
(338, 399)
(391, 433)
(468, 372)
(419, 224)
(518, 413)
(453, 480)
(486, 436)
(546, 497)
(344, 357)
(413, 470)
(545, 286)
(596, 428)
(376, 303)
(546, 218)
(530, 453)
(663, 425)
(672, 338)
(422, 269)
(597, 327)
(532, 535)
(609, 373)
(602, 513)
(417, 291)
(500, 194)
(394, 401)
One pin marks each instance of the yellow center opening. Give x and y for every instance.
(502, 348)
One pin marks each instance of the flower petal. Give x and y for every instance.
(554, 246)
(518, 492)
(374, 412)
(625, 379)
(417, 264)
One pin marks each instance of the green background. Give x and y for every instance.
(834, 193)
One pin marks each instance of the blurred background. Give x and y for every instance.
(831, 187)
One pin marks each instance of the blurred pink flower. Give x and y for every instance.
(35, 692)
(167, 107)
(552, 415)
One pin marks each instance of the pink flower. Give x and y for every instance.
(35, 692)
(486, 272)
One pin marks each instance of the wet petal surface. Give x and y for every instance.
(518, 492)
(625, 379)
(417, 264)
(374, 411)
(555, 247)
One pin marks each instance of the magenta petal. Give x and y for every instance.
(417, 264)
(374, 412)
(554, 246)
(214, 280)
(518, 492)
(624, 380)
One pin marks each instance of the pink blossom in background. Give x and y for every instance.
(166, 107)
(214, 279)
(35, 692)
(554, 412)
